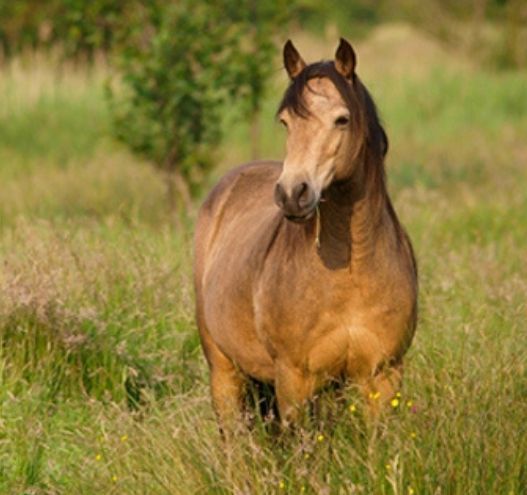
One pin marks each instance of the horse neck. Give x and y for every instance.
(351, 217)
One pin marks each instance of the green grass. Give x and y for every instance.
(103, 388)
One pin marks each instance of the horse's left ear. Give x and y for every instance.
(345, 59)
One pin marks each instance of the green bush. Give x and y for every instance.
(181, 66)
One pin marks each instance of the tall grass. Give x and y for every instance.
(103, 388)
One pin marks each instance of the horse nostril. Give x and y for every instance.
(303, 194)
(280, 197)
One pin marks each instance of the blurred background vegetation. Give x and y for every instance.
(178, 72)
(493, 29)
(115, 120)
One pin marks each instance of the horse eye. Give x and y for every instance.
(283, 122)
(342, 121)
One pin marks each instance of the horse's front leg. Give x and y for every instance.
(380, 388)
(294, 387)
(227, 385)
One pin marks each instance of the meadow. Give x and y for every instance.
(103, 387)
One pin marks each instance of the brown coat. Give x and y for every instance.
(322, 286)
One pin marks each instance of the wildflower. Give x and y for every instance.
(353, 408)
(394, 403)
(306, 456)
(413, 434)
(98, 457)
(388, 467)
(302, 489)
(411, 491)
(281, 485)
(374, 395)
(320, 438)
(409, 403)
(398, 395)
(124, 438)
(114, 478)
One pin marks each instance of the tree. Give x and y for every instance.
(79, 27)
(259, 22)
(181, 64)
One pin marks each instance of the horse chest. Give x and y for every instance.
(296, 313)
(330, 325)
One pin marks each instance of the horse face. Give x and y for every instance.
(317, 151)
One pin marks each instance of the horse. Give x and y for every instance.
(303, 273)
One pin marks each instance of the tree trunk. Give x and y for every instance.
(185, 199)
(255, 135)
(172, 201)
(180, 205)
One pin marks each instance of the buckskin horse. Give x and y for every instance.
(303, 273)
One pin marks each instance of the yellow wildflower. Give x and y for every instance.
(413, 434)
(281, 485)
(98, 457)
(409, 403)
(388, 467)
(374, 395)
(398, 394)
(320, 438)
(394, 403)
(124, 438)
(353, 408)
(410, 491)
(114, 478)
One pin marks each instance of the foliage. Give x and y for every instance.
(80, 27)
(179, 72)
(495, 30)
(491, 31)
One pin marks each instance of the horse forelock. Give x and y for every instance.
(366, 123)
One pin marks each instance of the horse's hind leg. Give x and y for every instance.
(226, 384)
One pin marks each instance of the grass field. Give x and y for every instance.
(103, 388)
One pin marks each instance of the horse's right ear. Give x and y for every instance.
(345, 59)
(293, 62)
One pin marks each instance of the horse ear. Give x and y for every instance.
(293, 62)
(345, 59)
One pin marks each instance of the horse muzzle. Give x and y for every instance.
(299, 204)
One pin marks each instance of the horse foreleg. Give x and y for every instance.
(293, 389)
(381, 388)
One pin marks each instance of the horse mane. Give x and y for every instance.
(365, 122)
